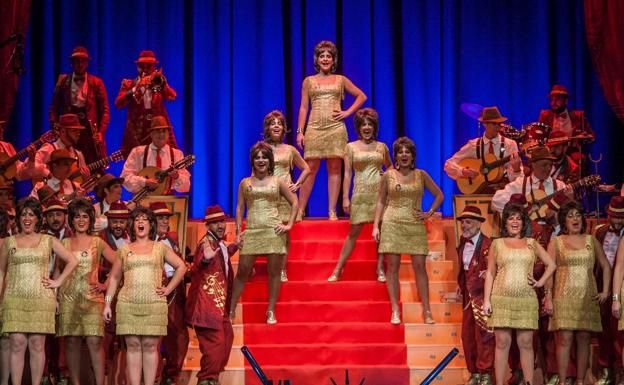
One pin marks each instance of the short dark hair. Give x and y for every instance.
(34, 206)
(406, 142)
(150, 217)
(4, 221)
(511, 209)
(563, 213)
(364, 114)
(268, 118)
(75, 207)
(266, 150)
(325, 45)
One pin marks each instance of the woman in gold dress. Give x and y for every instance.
(575, 297)
(141, 313)
(399, 211)
(29, 303)
(285, 157)
(366, 156)
(4, 339)
(265, 233)
(618, 288)
(325, 135)
(82, 297)
(509, 292)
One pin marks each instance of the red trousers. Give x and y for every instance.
(610, 340)
(215, 346)
(55, 364)
(479, 344)
(175, 343)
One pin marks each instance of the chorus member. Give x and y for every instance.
(23, 170)
(4, 339)
(29, 302)
(81, 298)
(83, 94)
(141, 305)
(265, 233)
(325, 135)
(210, 297)
(60, 165)
(366, 157)
(69, 128)
(402, 230)
(575, 296)
(610, 340)
(491, 142)
(175, 343)
(509, 292)
(156, 153)
(477, 338)
(286, 157)
(145, 98)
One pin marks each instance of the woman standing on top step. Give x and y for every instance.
(402, 222)
(284, 156)
(265, 234)
(366, 156)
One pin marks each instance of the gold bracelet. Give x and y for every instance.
(299, 130)
(108, 298)
(615, 297)
(546, 290)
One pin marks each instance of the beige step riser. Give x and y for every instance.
(423, 356)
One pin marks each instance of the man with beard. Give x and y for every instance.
(60, 164)
(210, 295)
(108, 191)
(564, 168)
(69, 133)
(610, 340)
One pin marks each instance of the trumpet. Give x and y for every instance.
(157, 81)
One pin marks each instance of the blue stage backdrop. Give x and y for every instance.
(233, 61)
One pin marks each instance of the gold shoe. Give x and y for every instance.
(517, 378)
(335, 276)
(381, 276)
(485, 379)
(299, 217)
(428, 317)
(283, 276)
(332, 215)
(474, 379)
(605, 378)
(553, 380)
(396, 317)
(271, 320)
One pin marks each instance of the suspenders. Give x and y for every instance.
(145, 152)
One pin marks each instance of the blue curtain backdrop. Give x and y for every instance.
(232, 62)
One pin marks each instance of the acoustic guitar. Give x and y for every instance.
(8, 167)
(162, 176)
(116, 156)
(538, 201)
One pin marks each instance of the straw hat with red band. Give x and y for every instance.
(556, 138)
(70, 121)
(118, 210)
(80, 53)
(471, 212)
(558, 89)
(491, 115)
(147, 56)
(615, 208)
(60, 154)
(54, 205)
(160, 208)
(214, 214)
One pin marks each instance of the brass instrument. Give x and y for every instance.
(157, 81)
(510, 132)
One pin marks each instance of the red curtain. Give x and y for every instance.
(14, 16)
(605, 37)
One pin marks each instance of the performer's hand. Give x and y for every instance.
(569, 192)
(163, 291)
(487, 307)
(616, 309)
(282, 229)
(420, 215)
(131, 205)
(534, 283)
(346, 205)
(515, 161)
(469, 173)
(84, 171)
(548, 305)
(174, 174)
(151, 184)
(240, 239)
(80, 192)
(294, 187)
(339, 115)
(107, 314)
(602, 297)
(300, 140)
(50, 283)
(31, 150)
(376, 234)
(96, 288)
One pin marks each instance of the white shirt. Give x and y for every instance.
(134, 163)
(501, 197)
(147, 95)
(79, 91)
(55, 184)
(121, 241)
(169, 270)
(224, 251)
(101, 220)
(562, 122)
(469, 151)
(45, 152)
(610, 245)
(469, 249)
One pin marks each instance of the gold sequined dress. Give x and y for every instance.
(28, 307)
(81, 310)
(514, 301)
(262, 217)
(140, 310)
(325, 137)
(575, 288)
(367, 166)
(401, 232)
(283, 159)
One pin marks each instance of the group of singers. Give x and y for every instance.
(543, 274)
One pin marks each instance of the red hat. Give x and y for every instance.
(60, 154)
(118, 210)
(106, 181)
(160, 208)
(558, 89)
(80, 52)
(159, 122)
(615, 208)
(54, 204)
(491, 115)
(214, 214)
(518, 199)
(540, 153)
(147, 56)
(471, 212)
(556, 138)
(70, 121)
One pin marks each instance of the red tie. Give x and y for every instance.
(491, 148)
(62, 189)
(541, 186)
(158, 159)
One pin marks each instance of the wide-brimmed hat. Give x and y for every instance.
(471, 212)
(118, 210)
(160, 208)
(491, 115)
(214, 214)
(70, 121)
(80, 52)
(60, 154)
(54, 205)
(518, 199)
(106, 181)
(615, 208)
(540, 153)
(147, 56)
(557, 137)
(558, 89)
(159, 122)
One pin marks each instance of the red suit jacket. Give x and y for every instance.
(210, 293)
(580, 125)
(138, 119)
(471, 282)
(105, 267)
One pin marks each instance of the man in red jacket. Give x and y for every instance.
(209, 298)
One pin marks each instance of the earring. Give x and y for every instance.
(397, 166)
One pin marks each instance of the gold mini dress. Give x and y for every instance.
(575, 289)
(283, 159)
(28, 307)
(262, 217)
(325, 137)
(514, 301)
(367, 166)
(81, 310)
(401, 232)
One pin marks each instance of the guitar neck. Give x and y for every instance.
(99, 164)
(20, 154)
(545, 199)
(502, 161)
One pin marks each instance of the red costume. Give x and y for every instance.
(143, 104)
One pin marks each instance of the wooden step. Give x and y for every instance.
(428, 356)
(437, 291)
(443, 313)
(423, 334)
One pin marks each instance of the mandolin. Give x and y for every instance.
(8, 167)
(538, 201)
(162, 176)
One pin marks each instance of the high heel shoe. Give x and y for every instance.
(428, 317)
(381, 276)
(332, 215)
(335, 276)
(395, 319)
(283, 276)
(271, 320)
(299, 217)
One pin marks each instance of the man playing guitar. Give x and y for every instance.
(69, 127)
(25, 170)
(60, 164)
(490, 143)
